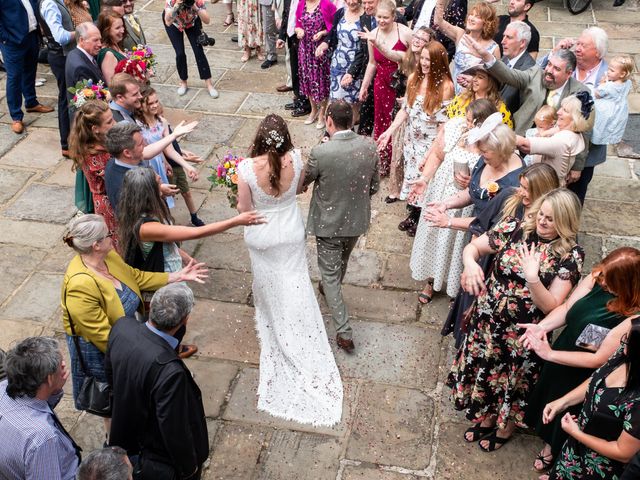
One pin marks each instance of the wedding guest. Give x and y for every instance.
(607, 432)
(535, 181)
(544, 121)
(230, 19)
(250, 31)
(99, 288)
(19, 47)
(33, 442)
(79, 11)
(93, 121)
(427, 89)
(563, 142)
(313, 20)
(493, 373)
(135, 35)
(482, 85)
(81, 62)
(126, 98)
(436, 255)
(180, 20)
(57, 26)
(270, 32)
(517, 11)
(481, 26)
(604, 298)
(112, 32)
(386, 44)
(106, 464)
(112, 6)
(515, 39)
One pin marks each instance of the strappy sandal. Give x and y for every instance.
(546, 464)
(229, 20)
(495, 442)
(425, 298)
(478, 433)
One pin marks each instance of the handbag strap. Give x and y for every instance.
(74, 336)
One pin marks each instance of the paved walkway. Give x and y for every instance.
(398, 423)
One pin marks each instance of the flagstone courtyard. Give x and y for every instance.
(398, 423)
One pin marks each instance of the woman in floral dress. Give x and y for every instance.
(606, 435)
(250, 31)
(427, 89)
(86, 146)
(537, 263)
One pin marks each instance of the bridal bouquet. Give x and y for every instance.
(144, 54)
(138, 69)
(225, 174)
(86, 90)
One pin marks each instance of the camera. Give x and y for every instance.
(205, 40)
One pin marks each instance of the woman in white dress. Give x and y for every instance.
(437, 252)
(299, 379)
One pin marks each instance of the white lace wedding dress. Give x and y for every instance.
(299, 379)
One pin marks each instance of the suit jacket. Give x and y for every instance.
(533, 94)
(345, 172)
(77, 68)
(510, 94)
(156, 404)
(93, 301)
(132, 39)
(14, 22)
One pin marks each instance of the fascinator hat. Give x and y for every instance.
(488, 126)
(586, 103)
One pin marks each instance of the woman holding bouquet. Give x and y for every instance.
(112, 31)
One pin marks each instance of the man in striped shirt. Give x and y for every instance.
(33, 442)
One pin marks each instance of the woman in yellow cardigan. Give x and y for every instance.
(99, 288)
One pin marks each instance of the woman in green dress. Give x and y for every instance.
(604, 298)
(112, 30)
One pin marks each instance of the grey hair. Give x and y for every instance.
(600, 40)
(523, 31)
(120, 138)
(566, 55)
(84, 29)
(84, 231)
(105, 464)
(29, 363)
(170, 305)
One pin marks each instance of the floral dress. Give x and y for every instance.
(250, 32)
(463, 60)
(493, 373)
(576, 461)
(314, 72)
(342, 58)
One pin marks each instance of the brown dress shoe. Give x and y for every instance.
(284, 88)
(345, 344)
(17, 126)
(185, 350)
(40, 109)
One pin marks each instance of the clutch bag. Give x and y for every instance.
(592, 337)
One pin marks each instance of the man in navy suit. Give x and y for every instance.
(81, 61)
(515, 41)
(19, 47)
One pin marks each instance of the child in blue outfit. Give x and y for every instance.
(612, 110)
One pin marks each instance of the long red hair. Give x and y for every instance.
(620, 273)
(436, 78)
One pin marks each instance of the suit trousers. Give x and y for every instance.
(367, 114)
(293, 44)
(580, 187)
(333, 258)
(270, 31)
(177, 41)
(287, 64)
(21, 63)
(56, 62)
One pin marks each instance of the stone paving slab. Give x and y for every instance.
(62, 175)
(38, 299)
(397, 274)
(364, 473)
(392, 427)
(29, 205)
(16, 264)
(214, 379)
(289, 454)
(30, 234)
(231, 103)
(364, 266)
(40, 149)
(11, 181)
(13, 331)
(224, 251)
(605, 217)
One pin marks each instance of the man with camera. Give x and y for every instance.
(186, 17)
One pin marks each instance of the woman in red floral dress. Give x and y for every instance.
(86, 146)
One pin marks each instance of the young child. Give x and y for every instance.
(544, 121)
(612, 110)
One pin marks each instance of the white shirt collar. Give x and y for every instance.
(513, 61)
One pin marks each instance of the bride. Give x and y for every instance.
(299, 379)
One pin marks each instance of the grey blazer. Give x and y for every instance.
(510, 94)
(533, 93)
(345, 172)
(133, 39)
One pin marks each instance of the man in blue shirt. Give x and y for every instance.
(33, 442)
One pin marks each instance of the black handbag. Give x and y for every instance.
(94, 396)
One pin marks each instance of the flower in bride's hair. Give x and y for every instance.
(274, 138)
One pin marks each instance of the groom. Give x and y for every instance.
(345, 172)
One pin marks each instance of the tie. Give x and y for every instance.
(57, 423)
(551, 98)
(374, 24)
(134, 24)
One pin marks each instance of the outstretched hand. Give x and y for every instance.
(193, 272)
(183, 129)
(250, 218)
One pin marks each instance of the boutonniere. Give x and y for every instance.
(492, 189)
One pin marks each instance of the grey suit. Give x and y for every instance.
(345, 172)
(510, 94)
(133, 38)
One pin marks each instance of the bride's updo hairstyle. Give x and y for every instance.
(272, 138)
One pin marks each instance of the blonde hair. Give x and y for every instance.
(386, 5)
(565, 208)
(541, 178)
(573, 107)
(625, 63)
(547, 112)
(501, 140)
